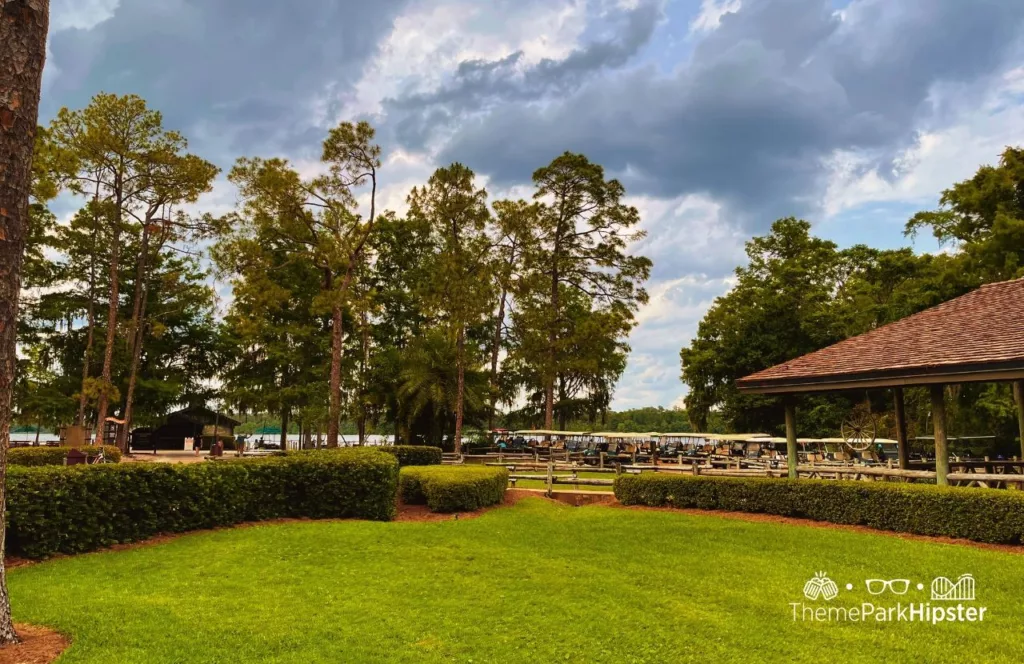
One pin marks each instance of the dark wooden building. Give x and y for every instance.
(195, 422)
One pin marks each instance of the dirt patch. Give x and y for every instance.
(809, 523)
(574, 498)
(173, 456)
(412, 513)
(39, 645)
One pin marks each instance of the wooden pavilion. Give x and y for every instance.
(196, 422)
(978, 337)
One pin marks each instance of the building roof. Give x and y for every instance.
(975, 337)
(202, 415)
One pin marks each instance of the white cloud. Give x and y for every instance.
(73, 15)
(688, 234)
(695, 249)
(976, 135)
(711, 13)
(430, 39)
(80, 14)
(666, 324)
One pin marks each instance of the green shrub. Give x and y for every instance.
(453, 488)
(83, 508)
(54, 456)
(977, 514)
(415, 455)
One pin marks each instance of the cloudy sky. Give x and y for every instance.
(719, 116)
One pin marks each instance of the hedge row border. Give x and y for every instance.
(995, 517)
(453, 488)
(84, 508)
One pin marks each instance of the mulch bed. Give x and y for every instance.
(810, 523)
(39, 645)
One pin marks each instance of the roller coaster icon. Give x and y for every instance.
(945, 590)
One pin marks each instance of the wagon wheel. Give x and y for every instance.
(860, 429)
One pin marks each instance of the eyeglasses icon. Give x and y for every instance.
(895, 586)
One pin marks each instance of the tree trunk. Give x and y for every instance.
(460, 360)
(334, 412)
(363, 363)
(129, 403)
(140, 277)
(284, 429)
(90, 312)
(495, 350)
(91, 317)
(137, 333)
(23, 27)
(39, 425)
(562, 415)
(549, 386)
(108, 351)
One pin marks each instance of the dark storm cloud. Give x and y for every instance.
(476, 84)
(776, 89)
(240, 72)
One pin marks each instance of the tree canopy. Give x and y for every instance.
(798, 293)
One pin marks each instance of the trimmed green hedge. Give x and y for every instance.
(977, 514)
(415, 455)
(83, 508)
(54, 456)
(453, 488)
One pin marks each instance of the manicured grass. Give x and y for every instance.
(537, 582)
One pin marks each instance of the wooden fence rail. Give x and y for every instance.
(1009, 480)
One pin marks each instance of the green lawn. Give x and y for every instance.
(537, 582)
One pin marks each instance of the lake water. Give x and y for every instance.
(293, 439)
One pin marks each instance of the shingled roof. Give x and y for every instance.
(976, 337)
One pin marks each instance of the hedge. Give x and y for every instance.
(415, 455)
(976, 514)
(54, 456)
(83, 508)
(453, 488)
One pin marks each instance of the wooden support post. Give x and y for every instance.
(791, 452)
(1018, 396)
(902, 453)
(941, 446)
(601, 461)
